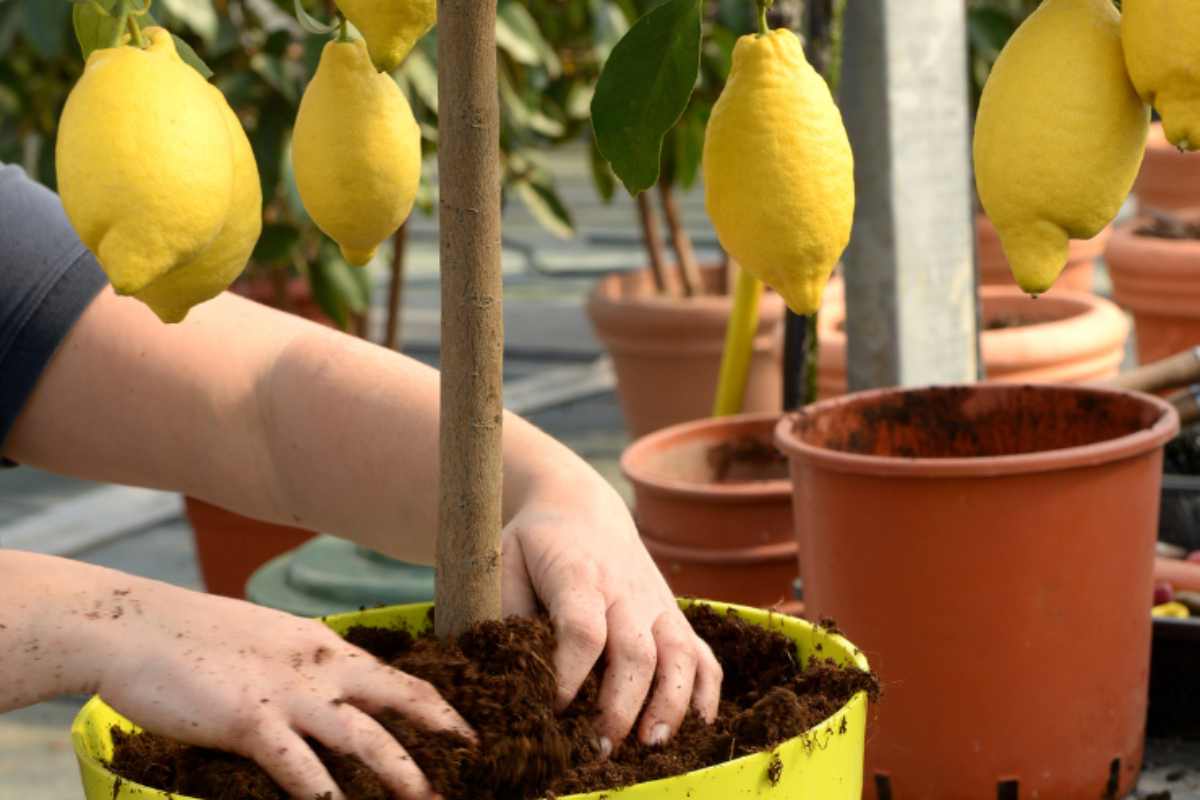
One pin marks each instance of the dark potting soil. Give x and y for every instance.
(967, 422)
(746, 460)
(1166, 226)
(499, 678)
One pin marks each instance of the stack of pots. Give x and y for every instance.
(729, 540)
(1157, 278)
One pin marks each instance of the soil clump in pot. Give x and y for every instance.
(498, 676)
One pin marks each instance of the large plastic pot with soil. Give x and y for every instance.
(713, 503)
(1155, 269)
(666, 348)
(1061, 337)
(793, 724)
(991, 549)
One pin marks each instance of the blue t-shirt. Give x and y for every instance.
(47, 279)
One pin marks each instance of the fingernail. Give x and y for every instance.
(605, 747)
(659, 734)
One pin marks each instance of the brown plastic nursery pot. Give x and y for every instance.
(990, 548)
(230, 547)
(731, 541)
(994, 270)
(1159, 281)
(667, 349)
(1169, 180)
(1061, 337)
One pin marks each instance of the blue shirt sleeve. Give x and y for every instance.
(47, 279)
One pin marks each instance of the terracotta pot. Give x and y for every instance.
(1076, 275)
(667, 350)
(230, 547)
(990, 548)
(1159, 281)
(1169, 180)
(1063, 337)
(731, 541)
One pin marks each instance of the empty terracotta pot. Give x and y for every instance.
(994, 269)
(990, 548)
(1159, 281)
(1169, 180)
(666, 350)
(1061, 337)
(713, 504)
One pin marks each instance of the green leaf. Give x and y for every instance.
(539, 196)
(93, 30)
(644, 88)
(190, 57)
(602, 174)
(44, 23)
(311, 24)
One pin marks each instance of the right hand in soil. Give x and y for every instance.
(210, 671)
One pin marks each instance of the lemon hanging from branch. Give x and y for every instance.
(156, 175)
(1162, 54)
(391, 27)
(778, 169)
(1059, 137)
(356, 151)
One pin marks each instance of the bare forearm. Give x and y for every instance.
(352, 430)
(52, 614)
(265, 414)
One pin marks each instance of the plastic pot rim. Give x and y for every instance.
(745, 492)
(1102, 452)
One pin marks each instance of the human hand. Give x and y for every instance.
(574, 547)
(222, 673)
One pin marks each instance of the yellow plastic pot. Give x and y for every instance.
(825, 763)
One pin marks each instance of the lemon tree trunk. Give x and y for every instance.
(468, 548)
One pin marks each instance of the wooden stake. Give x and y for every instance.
(395, 307)
(468, 546)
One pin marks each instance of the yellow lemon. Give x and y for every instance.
(146, 162)
(356, 151)
(391, 27)
(211, 272)
(1060, 136)
(1162, 54)
(778, 170)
